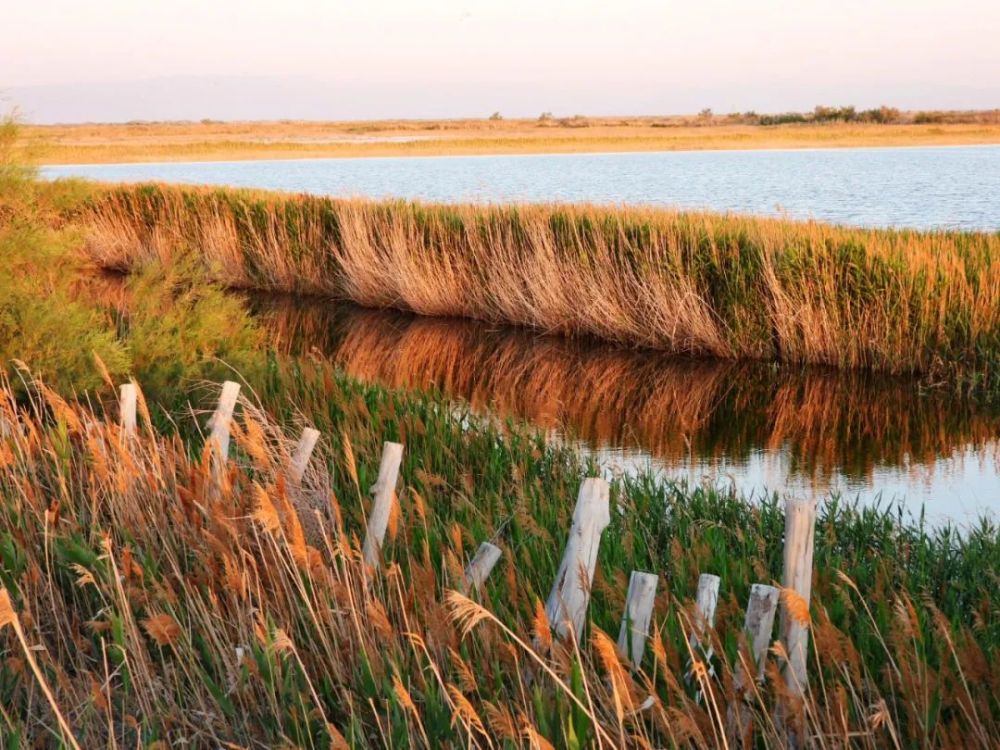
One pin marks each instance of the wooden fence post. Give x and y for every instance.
(758, 625)
(127, 403)
(800, 532)
(706, 600)
(700, 637)
(221, 418)
(303, 451)
(570, 595)
(384, 490)
(638, 612)
(481, 566)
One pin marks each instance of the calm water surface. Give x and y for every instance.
(941, 187)
(763, 429)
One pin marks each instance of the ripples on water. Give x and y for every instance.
(954, 187)
(804, 432)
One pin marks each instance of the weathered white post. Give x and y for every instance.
(638, 612)
(384, 489)
(700, 639)
(800, 533)
(222, 417)
(481, 566)
(570, 595)
(757, 624)
(128, 396)
(706, 599)
(303, 451)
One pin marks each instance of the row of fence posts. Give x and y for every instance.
(569, 598)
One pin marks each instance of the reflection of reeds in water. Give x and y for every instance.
(674, 409)
(603, 395)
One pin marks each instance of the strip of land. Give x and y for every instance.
(225, 141)
(687, 283)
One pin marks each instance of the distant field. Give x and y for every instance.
(210, 141)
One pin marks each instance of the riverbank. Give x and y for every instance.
(686, 283)
(215, 141)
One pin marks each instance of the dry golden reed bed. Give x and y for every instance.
(686, 283)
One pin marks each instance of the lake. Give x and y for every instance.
(954, 187)
(804, 432)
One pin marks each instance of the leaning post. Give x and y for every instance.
(222, 417)
(384, 489)
(128, 396)
(638, 612)
(566, 606)
(303, 451)
(479, 569)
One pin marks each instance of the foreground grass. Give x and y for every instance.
(693, 283)
(214, 141)
(158, 607)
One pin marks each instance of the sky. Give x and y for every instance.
(118, 60)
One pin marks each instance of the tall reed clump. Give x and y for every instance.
(146, 600)
(697, 283)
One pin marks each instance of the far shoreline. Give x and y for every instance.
(137, 143)
(486, 155)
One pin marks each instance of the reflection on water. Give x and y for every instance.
(788, 430)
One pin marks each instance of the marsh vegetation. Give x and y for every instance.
(680, 282)
(147, 600)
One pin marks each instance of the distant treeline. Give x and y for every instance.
(820, 114)
(881, 115)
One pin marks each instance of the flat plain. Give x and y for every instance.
(225, 141)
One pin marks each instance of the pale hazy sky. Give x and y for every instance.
(66, 60)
